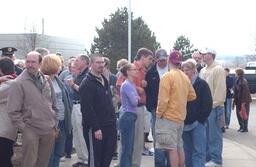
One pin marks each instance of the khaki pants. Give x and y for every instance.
(36, 149)
(78, 137)
(139, 137)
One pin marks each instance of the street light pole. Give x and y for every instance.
(129, 32)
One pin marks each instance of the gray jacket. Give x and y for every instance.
(7, 129)
(68, 104)
(30, 107)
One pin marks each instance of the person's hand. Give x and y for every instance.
(140, 90)
(98, 135)
(243, 105)
(70, 82)
(144, 83)
(5, 78)
(138, 97)
(233, 105)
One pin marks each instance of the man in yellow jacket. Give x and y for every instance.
(175, 91)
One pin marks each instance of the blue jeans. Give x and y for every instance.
(214, 136)
(228, 111)
(59, 147)
(161, 156)
(195, 146)
(243, 123)
(127, 130)
(69, 144)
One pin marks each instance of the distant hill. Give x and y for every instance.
(229, 57)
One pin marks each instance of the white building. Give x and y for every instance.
(29, 41)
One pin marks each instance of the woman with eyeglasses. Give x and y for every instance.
(129, 101)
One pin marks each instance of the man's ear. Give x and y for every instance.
(13, 58)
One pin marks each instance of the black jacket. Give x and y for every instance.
(78, 81)
(153, 79)
(199, 109)
(17, 70)
(230, 82)
(96, 103)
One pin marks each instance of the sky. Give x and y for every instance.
(227, 26)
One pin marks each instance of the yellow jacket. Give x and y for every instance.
(175, 90)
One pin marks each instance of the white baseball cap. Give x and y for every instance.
(208, 51)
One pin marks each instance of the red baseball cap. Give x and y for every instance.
(175, 57)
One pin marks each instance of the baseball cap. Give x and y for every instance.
(208, 51)
(175, 57)
(161, 54)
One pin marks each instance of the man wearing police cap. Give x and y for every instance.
(9, 52)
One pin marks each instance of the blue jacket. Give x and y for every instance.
(230, 82)
(199, 109)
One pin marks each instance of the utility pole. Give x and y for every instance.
(42, 26)
(129, 32)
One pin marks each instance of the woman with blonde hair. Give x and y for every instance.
(51, 65)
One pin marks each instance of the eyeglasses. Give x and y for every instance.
(133, 69)
(99, 62)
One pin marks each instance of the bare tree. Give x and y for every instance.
(239, 62)
(251, 57)
(31, 39)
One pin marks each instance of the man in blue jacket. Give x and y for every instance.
(230, 81)
(194, 132)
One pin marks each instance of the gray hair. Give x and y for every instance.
(84, 58)
(43, 51)
(190, 63)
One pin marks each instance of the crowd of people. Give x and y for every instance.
(185, 104)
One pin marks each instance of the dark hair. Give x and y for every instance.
(125, 69)
(227, 69)
(143, 52)
(58, 54)
(42, 51)
(6, 66)
(94, 55)
(71, 57)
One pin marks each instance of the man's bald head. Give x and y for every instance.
(40, 58)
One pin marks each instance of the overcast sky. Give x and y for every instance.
(228, 26)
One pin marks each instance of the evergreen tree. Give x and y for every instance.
(112, 39)
(183, 45)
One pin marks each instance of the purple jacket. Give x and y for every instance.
(129, 96)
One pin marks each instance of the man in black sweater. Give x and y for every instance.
(194, 132)
(99, 122)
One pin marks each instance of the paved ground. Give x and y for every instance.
(239, 149)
